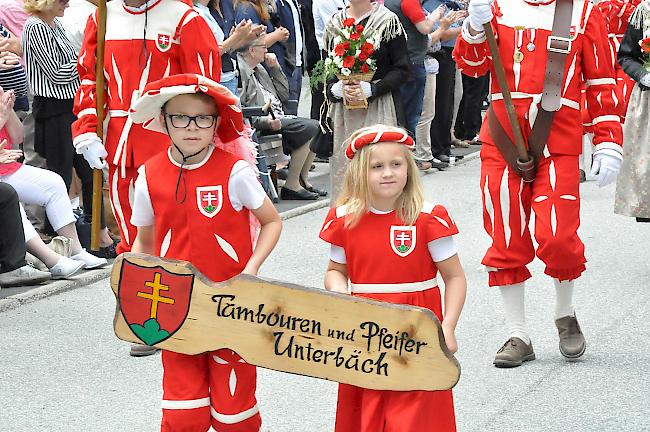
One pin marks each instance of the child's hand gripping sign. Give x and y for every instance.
(277, 325)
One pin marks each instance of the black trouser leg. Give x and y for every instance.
(12, 237)
(441, 124)
(468, 120)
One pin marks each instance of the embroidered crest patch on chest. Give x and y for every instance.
(402, 239)
(209, 200)
(163, 42)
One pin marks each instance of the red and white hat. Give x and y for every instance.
(394, 135)
(146, 109)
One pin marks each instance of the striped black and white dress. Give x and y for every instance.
(51, 60)
(51, 63)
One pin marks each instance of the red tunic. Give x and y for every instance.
(177, 41)
(216, 239)
(389, 261)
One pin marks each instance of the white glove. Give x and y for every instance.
(480, 13)
(337, 89)
(645, 80)
(367, 88)
(606, 165)
(94, 152)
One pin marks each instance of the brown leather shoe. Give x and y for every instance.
(572, 341)
(513, 353)
(142, 350)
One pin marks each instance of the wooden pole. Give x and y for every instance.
(507, 98)
(98, 176)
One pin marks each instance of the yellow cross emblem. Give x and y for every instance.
(155, 296)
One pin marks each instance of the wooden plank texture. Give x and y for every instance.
(281, 326)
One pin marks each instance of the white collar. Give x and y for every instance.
(194, 165)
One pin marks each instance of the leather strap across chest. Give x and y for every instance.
(558, 46)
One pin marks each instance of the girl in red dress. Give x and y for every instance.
(390, 244)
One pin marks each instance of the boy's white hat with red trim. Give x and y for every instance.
(147, 108)
(394, 135)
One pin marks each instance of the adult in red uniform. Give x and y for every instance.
(145, 41)
(522, 28)
(193, 202)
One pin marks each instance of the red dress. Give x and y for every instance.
(381, 252)
(215, 388)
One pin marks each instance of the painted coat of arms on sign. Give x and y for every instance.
(154, 301)
(163, 42)
(402, 239)
(209, 199)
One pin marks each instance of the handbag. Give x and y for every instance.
(323, 143)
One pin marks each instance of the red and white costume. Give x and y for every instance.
(177, 41)
(554, 195)
(391, 262)
(211, 230)
(617, 16)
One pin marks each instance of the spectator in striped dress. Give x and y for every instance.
(51, 62)
(12, 72)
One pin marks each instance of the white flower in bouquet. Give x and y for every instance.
(346, 71)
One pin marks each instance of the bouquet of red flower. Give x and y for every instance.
(351, 59)
(645, 49)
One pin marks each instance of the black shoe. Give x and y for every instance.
(457, 156)
(302, 194)
(282, 173)
(583, 176)
(643, 220)
(443, 158)
(312, 189)
(107, 252)
(440, 166)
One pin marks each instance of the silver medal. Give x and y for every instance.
(530, 46)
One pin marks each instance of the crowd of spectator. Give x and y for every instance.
(267, 48)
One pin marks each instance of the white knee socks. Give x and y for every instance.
(513, 303)
(563, 298)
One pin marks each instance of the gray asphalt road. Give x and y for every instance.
(63, 370)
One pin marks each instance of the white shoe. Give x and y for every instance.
(66, 267)
(90, 261)
(23, 276)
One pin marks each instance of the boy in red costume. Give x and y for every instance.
(194, 202)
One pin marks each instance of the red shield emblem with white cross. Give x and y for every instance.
(209, 199)
(153, 301)
(402, 239)
(163, 42)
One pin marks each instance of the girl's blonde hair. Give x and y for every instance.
(32, 6)
(356, 190)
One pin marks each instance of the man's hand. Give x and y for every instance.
(480, 12)
(94, 152)
(244, 34)
(8, 156)
(452, 17)
(605, 166)
(281, 34)
(271, 60)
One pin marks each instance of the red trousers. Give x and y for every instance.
(364, 410)
(554, 196)
(212, 389)
(121, 194)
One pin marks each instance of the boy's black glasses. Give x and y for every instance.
(181, 121)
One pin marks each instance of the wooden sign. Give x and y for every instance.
(285, 327)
